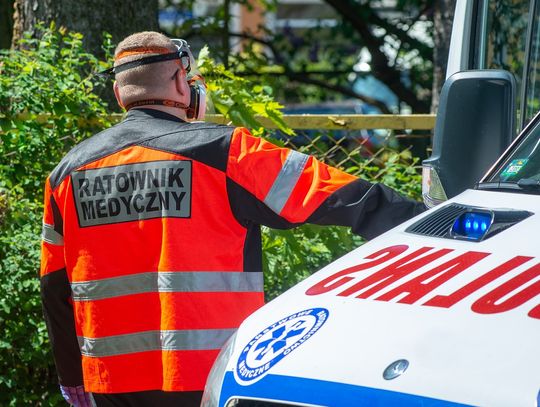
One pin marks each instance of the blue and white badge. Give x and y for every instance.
(272, 344)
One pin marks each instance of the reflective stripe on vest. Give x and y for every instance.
(49, 235)
(286, 180)
(167, 281)
(199, 339)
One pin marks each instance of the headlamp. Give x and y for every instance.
(197, 85)
(184, 53)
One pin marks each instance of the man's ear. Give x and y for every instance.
(181, 84)
(117, 94)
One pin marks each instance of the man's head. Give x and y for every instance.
(165, 80)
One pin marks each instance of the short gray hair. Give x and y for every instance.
(146, 80)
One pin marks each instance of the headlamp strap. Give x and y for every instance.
(162, 102)
(145, 61)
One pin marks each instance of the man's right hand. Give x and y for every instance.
(76, 396)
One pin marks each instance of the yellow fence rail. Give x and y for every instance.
(304, 121)
(349, 122)
(351, 142)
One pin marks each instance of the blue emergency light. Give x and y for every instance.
(464, 222)
(472, 225)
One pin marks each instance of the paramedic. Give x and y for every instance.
(151, 253)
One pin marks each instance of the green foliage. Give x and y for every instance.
(52, 75)
(292, 255)
(238, 99)
(399, 171)
(28, 375)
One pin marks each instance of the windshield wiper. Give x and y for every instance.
(524, 185)
(529, 184)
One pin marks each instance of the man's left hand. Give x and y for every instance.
(76, 396)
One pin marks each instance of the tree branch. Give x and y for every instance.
(277, 56)
(302, 77)
(357, 17)
(400, 34)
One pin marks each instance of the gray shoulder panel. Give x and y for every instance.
(205, 142)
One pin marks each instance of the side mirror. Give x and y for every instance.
(475, 124)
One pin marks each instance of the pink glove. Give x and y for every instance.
(76, 396)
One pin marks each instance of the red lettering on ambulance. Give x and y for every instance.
(446, 301)
(535, 312)
(488, 303)
(428, 281)
(338, 279)
(394, 272)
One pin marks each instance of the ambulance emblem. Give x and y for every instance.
(275, 342)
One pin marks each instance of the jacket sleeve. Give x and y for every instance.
(56, 295)
(283, 188)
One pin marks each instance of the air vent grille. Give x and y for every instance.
(439, 223)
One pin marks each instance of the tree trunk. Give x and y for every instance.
(89, 17)
(6, 23)
(443, 16)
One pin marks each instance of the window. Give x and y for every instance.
(532, 82)
(522, 166)
(501, 38)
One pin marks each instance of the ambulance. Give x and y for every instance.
(443, 310)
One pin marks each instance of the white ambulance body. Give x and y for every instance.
(443, 310)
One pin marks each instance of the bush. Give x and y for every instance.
(28, 376)
(51, 75)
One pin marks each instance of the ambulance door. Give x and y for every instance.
(489, 95)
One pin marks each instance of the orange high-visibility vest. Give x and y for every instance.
(151, 245)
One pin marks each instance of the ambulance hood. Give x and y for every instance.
(406, 319)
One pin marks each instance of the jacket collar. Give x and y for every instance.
(138, 113)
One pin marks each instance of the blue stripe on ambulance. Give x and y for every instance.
(323, 393)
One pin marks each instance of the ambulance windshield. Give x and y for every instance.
(522, 167)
